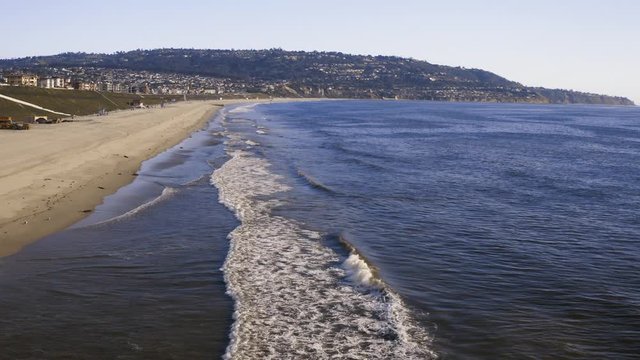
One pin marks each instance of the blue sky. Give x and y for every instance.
(584, 45)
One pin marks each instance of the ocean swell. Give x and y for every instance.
(295, 297)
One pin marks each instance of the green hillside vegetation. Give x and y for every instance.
(76, 102)
(18, 112)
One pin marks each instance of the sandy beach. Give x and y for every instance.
(53, 175)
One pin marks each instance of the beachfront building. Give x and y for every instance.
(59, 82)
(108, 86)
(82, 85)
(22, 80)
(52, 83)
(105, 86)
(46, 83)
(139, 89)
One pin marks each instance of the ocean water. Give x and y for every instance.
(356, 230)
(138, 279)
(408, 229)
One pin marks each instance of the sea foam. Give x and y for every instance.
(295, 297)
(359, 272)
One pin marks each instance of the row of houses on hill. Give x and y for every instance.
(67, 83)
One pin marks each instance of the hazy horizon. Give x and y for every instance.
(577, 45)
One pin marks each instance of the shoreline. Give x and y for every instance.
(54, 175)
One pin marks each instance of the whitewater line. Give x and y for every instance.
(31, 105)
(290, 296)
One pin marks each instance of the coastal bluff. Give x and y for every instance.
(281, 73)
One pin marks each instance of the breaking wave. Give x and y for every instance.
(262, 130)
(313, 181)
(295, 297)
(167, 192)
(359, 270)
(243, 109)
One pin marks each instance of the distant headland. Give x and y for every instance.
(279, 73)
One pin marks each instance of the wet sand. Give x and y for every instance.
(53, 175)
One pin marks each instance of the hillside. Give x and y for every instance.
(68, 101)
(330, 74)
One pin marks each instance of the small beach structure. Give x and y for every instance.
(137, 104)
(6, 123)
(40, 119)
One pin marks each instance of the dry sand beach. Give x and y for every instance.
(53, 175)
